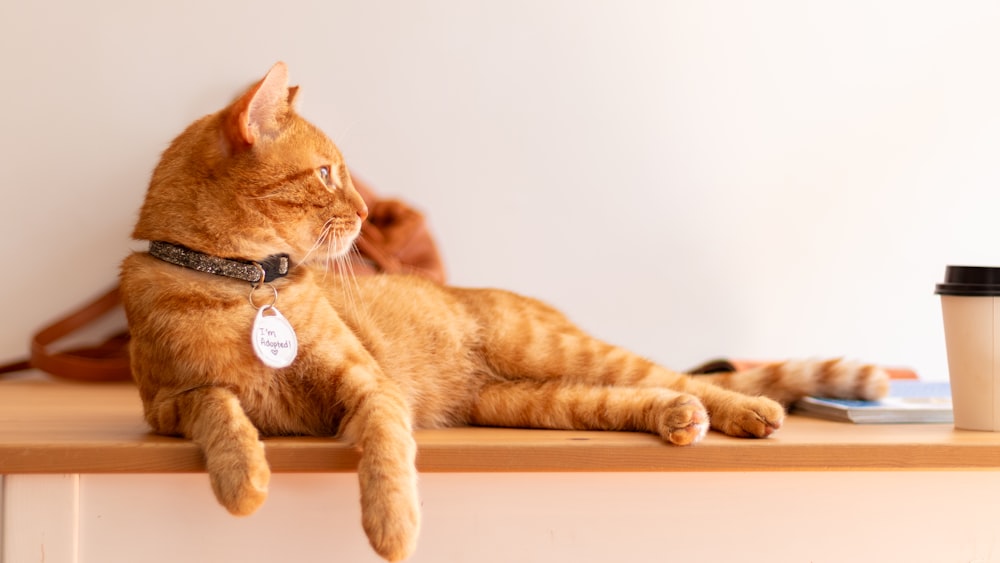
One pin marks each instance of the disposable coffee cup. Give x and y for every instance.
(970, 305)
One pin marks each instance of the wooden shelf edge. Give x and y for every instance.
(294, 455)
(52, 427)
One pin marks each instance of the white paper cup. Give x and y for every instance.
(970, 305)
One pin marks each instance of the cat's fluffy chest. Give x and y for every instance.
(197, 328)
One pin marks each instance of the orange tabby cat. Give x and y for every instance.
(260, 186)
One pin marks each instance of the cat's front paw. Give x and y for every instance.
(749, 417)
(683, 421)
(390, 505)
(393, 535)
(240, 479)
(390, 515)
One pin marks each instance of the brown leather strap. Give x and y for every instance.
(105, 362)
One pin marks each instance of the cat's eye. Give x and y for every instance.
(326, 175)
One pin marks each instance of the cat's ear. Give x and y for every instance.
(258, 113)
(292, 92)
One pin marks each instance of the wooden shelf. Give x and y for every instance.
(57, 427)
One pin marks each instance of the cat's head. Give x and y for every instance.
(253, 180)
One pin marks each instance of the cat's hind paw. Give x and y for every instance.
(749, 417)
(684, 421)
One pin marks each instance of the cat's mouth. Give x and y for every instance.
(343, 244)
(334, 243)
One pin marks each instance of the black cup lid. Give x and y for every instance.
(970, 280)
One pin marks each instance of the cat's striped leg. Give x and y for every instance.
(378, 421)
(571, 357)
(678, 418)
(213, 418)
(528, 340)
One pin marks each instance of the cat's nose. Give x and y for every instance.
(362, 211)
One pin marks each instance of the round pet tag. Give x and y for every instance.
(273, 338)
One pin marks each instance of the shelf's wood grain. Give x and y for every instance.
(58, 427)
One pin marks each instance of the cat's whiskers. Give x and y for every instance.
(334, 250)
(331, 253)
(348, 281)
(340, 260)
(323, 235)
(348, 258)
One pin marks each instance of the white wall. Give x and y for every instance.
(523, 517)
(689, 179)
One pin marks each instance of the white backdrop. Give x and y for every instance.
(689, 179)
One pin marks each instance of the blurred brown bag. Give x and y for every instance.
(394, 239)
